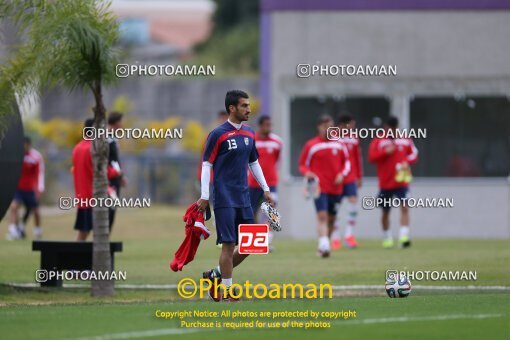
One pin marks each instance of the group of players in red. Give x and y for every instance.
(333, 169)
(31, 184)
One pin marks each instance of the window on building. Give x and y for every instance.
(368, 112)
(466, 137)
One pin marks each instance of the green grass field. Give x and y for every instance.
(151, 236)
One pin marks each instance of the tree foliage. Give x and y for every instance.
(68, 43)
(234, 44)
(231, 13)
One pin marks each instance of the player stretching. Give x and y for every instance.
(230, 149)
(393, 158)
(328, 162)
(30, 188)
(269, 147)
(351, 184)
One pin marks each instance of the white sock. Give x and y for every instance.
(335, 235)
(218, 269)
(348, 230)
(324, 243)
(13, 229)
(352, 214)
(387, 234)
(404, 231)
(227, 282)
(37, 231)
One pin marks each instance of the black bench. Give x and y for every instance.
(67, 255)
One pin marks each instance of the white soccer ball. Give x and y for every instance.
(398, 286)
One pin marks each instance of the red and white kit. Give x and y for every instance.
(269, 149)
(354, 150)
(326, 159)
(389, 164)
(32, 172)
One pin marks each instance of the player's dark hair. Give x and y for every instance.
(263, 119)
(89, 122)
(345, 118)
(232, 98)
(27, 140)
(392, 122)
(323, 119)
(114, 117)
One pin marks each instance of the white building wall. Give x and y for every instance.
(436, 53)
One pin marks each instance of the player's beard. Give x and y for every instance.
(242, 117)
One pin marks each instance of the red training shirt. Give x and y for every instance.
(32, 172)
(269, 149)
(354, 149)
(326, 159)
(388, 164)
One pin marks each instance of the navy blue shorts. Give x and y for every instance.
(350, 189)
(228, 220)
(327, 202)
(27, 197)
(256, 197)
(84, 219)
(400, 193)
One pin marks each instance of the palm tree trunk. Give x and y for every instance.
(101, 260)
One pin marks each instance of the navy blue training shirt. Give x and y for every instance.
(230, 151)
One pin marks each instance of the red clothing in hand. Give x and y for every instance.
(195, 231)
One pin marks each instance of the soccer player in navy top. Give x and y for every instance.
(230, 150)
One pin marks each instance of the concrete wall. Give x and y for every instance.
(421, 44)
(480, 210)
(436, 53)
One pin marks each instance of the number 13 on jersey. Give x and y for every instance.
(232, 144)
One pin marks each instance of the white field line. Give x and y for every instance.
(335, 287)
(142, 334)
(170, 331)
(419, 318)
(425, 287)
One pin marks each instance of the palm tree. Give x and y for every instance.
(69, 44)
